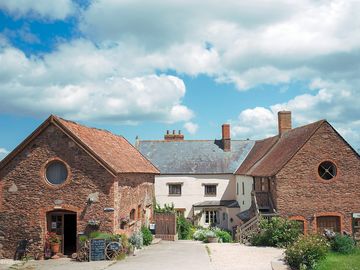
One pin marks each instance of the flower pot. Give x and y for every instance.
(55, 247)
(212, 239)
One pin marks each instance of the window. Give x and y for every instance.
(327, 170)
(237, 188)
(328, 222)
(210, 190)
(132, 214)
(211, 217)
(175, 189)
(56, 173)
(139, 210)
(243, 188)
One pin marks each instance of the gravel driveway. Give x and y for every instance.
(241, 257)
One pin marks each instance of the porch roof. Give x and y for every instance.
(224, 203)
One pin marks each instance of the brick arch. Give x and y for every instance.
(303, 219)
(329, 214)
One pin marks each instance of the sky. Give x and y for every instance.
(139, 68)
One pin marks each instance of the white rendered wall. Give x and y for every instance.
(193, 191)
(244, 200)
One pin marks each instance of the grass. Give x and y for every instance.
(336, 261)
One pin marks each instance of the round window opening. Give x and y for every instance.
(327, 170)
(56, 173)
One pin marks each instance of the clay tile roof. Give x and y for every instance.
(269, 156)
(113, 150)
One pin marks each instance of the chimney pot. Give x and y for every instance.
(173, 131)
(284, 122)
(179, 132)
(167, 132)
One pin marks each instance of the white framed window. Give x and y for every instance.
(175, 189)
(211, 217)
(210, 190)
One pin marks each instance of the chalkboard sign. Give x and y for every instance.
(97, 249)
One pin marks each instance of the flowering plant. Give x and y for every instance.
(53, 238)
(93, 222)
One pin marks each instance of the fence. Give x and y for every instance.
(165, 226)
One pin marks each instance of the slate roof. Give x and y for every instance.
(113, 152)
(269, 156)
(195, 157)
(225, 203)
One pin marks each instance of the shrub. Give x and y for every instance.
(183, 227)
(343, 244)
(136, 239)
(200, 234)
(147, 236)
(276, 232)
(224, 236)
(306, 251)
(168, 209)
(103, 235)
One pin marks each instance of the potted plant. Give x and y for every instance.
(211, 237)
(55, 242)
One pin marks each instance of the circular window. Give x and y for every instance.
(327, 170)
(56, 172)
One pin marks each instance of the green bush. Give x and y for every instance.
(104, 235)
(307, 251)
(276, 232)
(184, 228)
(200, 234)
(147, 236)
(224, 236)
(136, 239)
(343, 244)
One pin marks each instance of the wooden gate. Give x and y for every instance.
(165, 226)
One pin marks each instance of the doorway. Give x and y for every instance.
(63, 223)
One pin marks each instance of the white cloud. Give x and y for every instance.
(57, 10)
(80, 81)
(191, 127)
(338, 102)
(3, 153)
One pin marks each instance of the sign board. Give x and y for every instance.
(356, 215)
(53, 225)
(97, 249)
(152, 226)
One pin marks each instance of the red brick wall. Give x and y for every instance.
(23, 213)
(301, 192)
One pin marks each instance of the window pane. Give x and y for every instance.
(56, 173)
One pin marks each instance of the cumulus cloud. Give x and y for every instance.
(80, 81)
(337, 102)
(3, 153)
(191, 127)
(57, 10)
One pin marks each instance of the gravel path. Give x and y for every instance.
(241, 257)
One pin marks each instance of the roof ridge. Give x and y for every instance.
(236, 140)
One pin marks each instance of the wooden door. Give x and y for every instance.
(328, 222)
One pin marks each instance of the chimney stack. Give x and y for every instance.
(173, 136)
(284, 122)
(226, 140)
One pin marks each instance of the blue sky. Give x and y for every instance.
(142, 67)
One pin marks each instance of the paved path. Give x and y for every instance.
(241, 257)
(184, 255)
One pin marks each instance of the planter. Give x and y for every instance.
(55, 247)
(212, 239)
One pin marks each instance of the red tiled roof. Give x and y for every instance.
(114, 150)
(269, 156)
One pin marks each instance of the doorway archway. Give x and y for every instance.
(64, 224)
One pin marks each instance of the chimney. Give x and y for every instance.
(226, 140)
(173, 136)
(284, 121)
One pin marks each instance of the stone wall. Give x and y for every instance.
(301, 192)
(27, 196)
(135, 192)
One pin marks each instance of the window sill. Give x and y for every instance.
(174, 195)
(210, 195)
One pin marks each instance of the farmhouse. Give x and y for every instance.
(67, 178)
(309, 174)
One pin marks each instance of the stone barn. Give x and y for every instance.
(67, 178)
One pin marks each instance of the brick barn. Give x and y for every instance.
(309, 174)
(63, 178)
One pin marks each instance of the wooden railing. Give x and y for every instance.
(252, 226)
